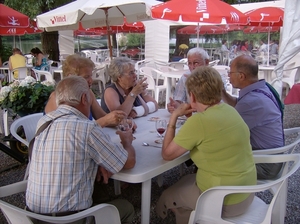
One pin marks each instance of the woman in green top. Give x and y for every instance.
(219, 143)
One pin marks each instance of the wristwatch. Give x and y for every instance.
(132, 95)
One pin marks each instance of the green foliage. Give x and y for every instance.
(135, 39)
(5, 52)
(26, 97)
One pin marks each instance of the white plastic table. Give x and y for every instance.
(172, 75)
(267, 70)
(149, 162)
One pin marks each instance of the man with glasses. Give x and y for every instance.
(196, 57)
(258, 106)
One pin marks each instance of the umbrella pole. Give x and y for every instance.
(268, 45)
(108, 33)
(198, 34)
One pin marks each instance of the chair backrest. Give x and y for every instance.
(47, 75)
(103, 213)
(5, 64)
(156, 74)
(147, 73)
(29, 124)
(289, 148)
(178, 65)
(209, 204)
(22, 73)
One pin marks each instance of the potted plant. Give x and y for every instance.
(26, 97)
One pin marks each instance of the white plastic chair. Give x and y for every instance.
(47, 75)
(98, 76)
(29, 124)
(103, 213)
(280, 206)
(156, 74)
(179, 65)
(156, 89)
(22, 73)
(209, 204)
(213, 63)
(47, 67)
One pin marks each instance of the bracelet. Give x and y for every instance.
(171, 126)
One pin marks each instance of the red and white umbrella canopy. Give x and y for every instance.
(261, 29)
(266, 16)
(136, 27)
(207, 29)
(19, 31)
(208, 11)
(11, 18)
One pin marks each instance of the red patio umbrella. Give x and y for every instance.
(266, 16)
(207, 29)
(204, 11)
(208, 11)
(261, 29)
(11, 18)
(19, 31)
(137, 27)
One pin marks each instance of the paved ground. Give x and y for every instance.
(11, 171)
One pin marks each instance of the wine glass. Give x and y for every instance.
(123, 125)
(161, 126)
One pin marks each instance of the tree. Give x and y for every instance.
(32, 8)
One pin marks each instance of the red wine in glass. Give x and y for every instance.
(161, 130)
(161, 126)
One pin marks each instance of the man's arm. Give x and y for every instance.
(227, 98)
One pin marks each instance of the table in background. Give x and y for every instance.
(149, 162)
(172, 75)
(267, 70)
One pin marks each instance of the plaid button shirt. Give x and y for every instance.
(65, 160)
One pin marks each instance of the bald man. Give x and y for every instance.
(258, 107)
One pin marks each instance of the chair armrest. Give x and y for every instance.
(13, 188)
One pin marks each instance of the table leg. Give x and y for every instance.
(168, 91)
(146, 202)
(117, 187)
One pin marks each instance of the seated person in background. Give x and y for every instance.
(126, 93)
(258, 107)
(40, 59)
(196, 57)
(273, 47)
(15, 61)
(224, 48)
(219, 145)
(67, 153)
(76, 65)
(263, 47)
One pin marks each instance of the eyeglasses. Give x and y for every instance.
(195, 63)
(131, 73)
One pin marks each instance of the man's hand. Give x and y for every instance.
(172, 105)
(102, 172)
(126, 137)
(114, 118)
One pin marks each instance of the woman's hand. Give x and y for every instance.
(184, 109)
(140, 87)
(132, 114)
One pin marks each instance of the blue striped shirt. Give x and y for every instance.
(65, 160)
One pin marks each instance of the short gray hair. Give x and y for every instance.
(70, 90)
(199, 51)
(118, 66)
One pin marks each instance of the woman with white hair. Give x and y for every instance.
(127, 93)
